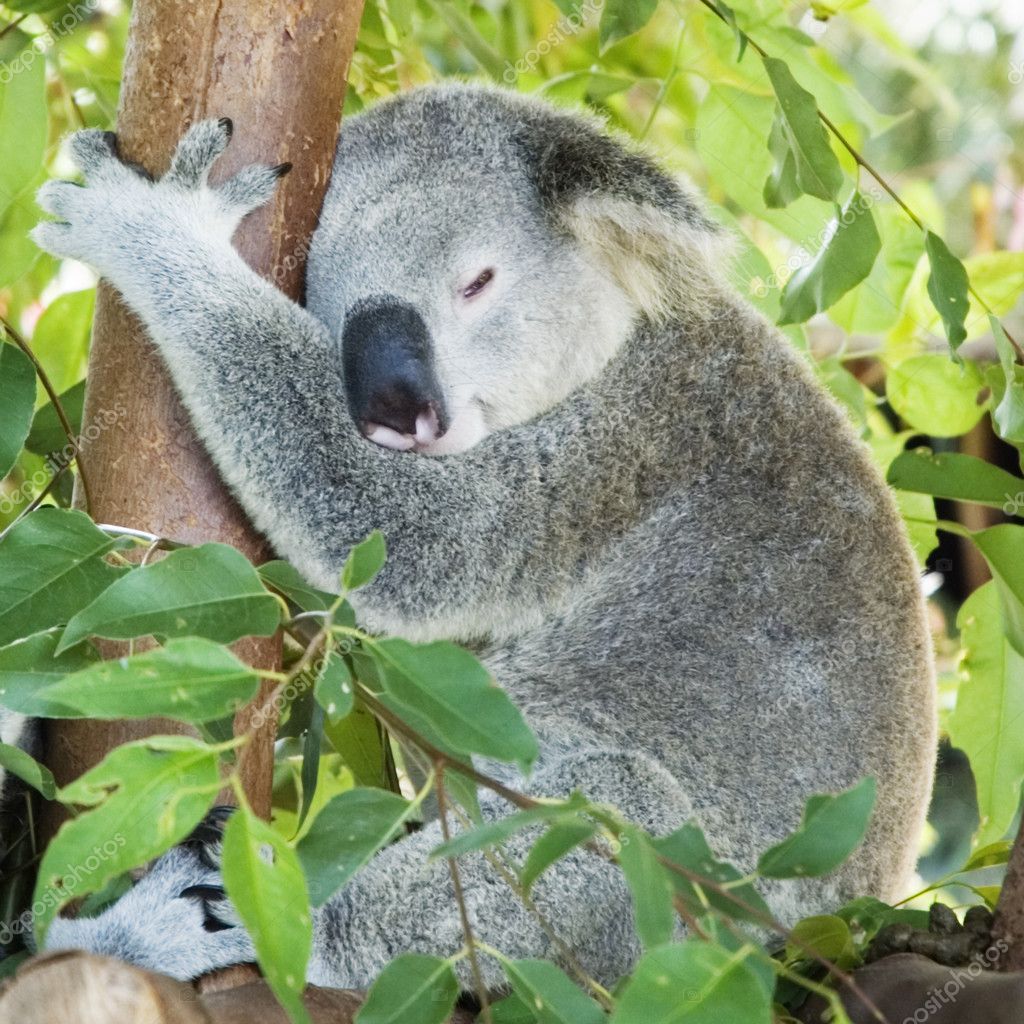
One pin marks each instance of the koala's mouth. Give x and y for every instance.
(426, 430)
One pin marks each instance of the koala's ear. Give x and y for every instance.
(638, 223)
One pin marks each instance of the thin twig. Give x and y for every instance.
(48, 387)
(460, 896)
(13, 24)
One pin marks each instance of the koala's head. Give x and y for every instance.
(481, 254)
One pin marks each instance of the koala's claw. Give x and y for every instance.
(210, 896)
(196, 152)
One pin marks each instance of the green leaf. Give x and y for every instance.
(1008, 415)
(23, 120)
(145, 797)
(28, 666)
(51, 565)
(992, 855)
(986, 722)
(688, 848)
(694, 983)
(357, 738)
(190, 680)
(412, 989)
(742, 39)
(334, 690)
(1003, 548)
(827, 935)
(831, 829)
(346, 834)
(621, 18)
(955, 476)
(17, 400)
(287, 580)
(210, 591)
(550, 995)
(817, 170)
(364, 561)
(502, 829)
(561, 838)
(781, 188)
(934, 395)
(456, 695)
(842, 263)
(60, 342)
(28, 769)
(47, 434)
(650, 887)
(263, 877)
(948, 289)
(466, 32)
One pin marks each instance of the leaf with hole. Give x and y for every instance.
(211, 591)
(948, 289)
(264, 880)
(143, 797)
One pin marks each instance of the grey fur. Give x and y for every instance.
(672, 549)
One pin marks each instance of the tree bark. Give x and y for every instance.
(1008, 929)
(279, 72)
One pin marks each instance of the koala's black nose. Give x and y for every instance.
(392, 390)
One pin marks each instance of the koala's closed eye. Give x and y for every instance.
(478, 284)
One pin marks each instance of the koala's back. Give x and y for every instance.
(761, 633)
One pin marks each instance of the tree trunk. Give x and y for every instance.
(279, 72)
(1008, 930)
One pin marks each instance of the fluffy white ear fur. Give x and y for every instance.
(666, 266)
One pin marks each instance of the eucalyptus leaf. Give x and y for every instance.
(833, 826)
(264, 880)
(650, 887)
(1008, 415)
(51, 564)
(334, 688)
(561, 838)
(364, 561)
(28, 769)
(346, 834)
(990, 700)
(47, 434)
(17, 400)
(954, 476)
(936, 396)
(456, 695)
(621, 18)
(143, 797)
(1003, 548)
(210, 591)
(190, 680)
(948, 289)
(817, 170)
(844, 260)
(412, 989)
(287, 580)
(550, 995)
(694, 983)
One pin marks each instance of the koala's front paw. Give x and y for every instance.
(121, 212)
(176, 920)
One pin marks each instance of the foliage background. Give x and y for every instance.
(929, 94)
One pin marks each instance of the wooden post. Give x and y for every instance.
(279, 72)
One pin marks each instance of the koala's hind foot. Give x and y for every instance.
(176, 920)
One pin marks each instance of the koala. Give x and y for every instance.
(521, 359)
